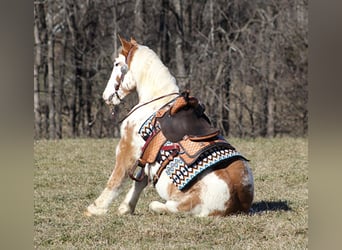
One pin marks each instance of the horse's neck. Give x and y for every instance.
(149, 104)
(161, 95)
(156, 102)
(154, 82)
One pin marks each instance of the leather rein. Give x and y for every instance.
(144, 104)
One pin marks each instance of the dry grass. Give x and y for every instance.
(69, 174)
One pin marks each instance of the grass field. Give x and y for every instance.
(70, 174)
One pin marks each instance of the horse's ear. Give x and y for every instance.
(133, 41)
(122, 40)
(125, 46)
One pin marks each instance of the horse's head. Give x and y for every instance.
(138, 68)
(121, 82)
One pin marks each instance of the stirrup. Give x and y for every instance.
(137, 175)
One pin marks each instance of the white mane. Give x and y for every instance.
(153, 78)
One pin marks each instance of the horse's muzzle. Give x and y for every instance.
(110, 99)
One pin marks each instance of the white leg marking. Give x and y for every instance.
(169, 206)
(157, 207)
(101, 204)
(132, 197)
(163, 185)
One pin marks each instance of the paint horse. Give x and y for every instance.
(167, 139)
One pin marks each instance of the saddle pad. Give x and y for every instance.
(147, 128)
(182, 174)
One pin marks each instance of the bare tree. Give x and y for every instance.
(179, 34)
(37, 63)
(139, 22)
(51, 72)
(245, 60)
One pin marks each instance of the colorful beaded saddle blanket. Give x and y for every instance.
(181, 139)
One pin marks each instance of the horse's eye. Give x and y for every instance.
(116, 64)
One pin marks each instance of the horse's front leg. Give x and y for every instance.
(101, 204)
(132, 197)
(127, 152)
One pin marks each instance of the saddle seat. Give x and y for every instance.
(185, 118)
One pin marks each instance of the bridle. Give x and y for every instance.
(124, 70)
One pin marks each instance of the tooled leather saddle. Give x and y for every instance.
(185, 117)
(181, 138)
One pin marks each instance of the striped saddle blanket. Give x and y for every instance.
(184, 160)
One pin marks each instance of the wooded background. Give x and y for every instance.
(245, 60)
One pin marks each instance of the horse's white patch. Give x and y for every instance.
(101, 204)
(162, 186)
(131, 199)
(110, 88)
(214, 194)
(169, 206)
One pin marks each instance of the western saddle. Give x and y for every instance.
(187, 130)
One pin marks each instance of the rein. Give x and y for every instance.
(144, 104)
(124, 70)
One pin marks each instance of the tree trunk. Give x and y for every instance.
(180, 64)
(270, 80)
(78, 59)
(60, 91)
(163, 30)
(81, 120)
(138, 20)
(115, 34)
(225, 110)
(212, 28)
(42, 69)
(88, 100)
(51, 77)
(36, 100)
(270, 111)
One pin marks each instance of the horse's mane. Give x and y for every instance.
(151, 73)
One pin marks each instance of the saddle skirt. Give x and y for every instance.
(180, 138)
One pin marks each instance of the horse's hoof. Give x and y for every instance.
(87, 213)
(94, 210)
(124, 209)
(157, 207)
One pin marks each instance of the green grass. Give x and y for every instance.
(70, 174)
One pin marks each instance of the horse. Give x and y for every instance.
(227, 188)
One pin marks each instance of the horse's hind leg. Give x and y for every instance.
(176, 201)
(187, 204)
(241, 187)
(167, 207)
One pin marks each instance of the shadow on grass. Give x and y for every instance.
(264, 206)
